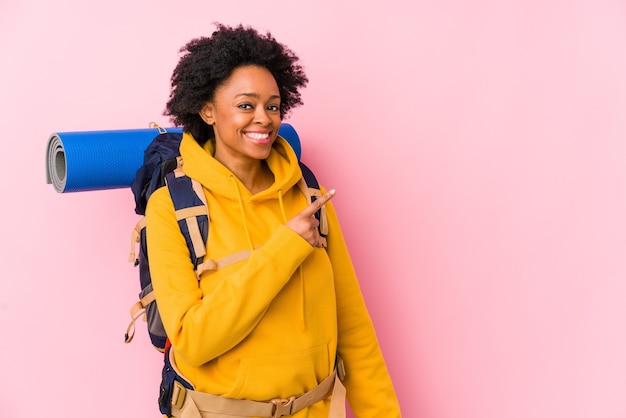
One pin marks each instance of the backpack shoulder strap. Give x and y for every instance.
(313, 192)
(192, 212)
(309, 177)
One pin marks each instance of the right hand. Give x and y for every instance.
(305, 224)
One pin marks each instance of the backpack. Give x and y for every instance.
(162, 167)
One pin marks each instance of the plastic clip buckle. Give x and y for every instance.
(178, 395)
(282, 407)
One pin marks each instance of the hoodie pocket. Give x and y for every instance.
(265, 378)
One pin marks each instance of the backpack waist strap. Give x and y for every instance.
(193, 404)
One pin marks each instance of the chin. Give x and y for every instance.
(261, 154)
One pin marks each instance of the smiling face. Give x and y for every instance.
(245, 114)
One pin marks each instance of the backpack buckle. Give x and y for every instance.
(282, 407)
(178, 394)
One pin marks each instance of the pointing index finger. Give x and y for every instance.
(319, 202)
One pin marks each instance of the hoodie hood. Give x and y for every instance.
(216, 177)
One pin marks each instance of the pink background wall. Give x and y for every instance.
(478, 150)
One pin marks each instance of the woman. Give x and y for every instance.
(270, 327)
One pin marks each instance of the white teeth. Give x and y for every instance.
(255, 135)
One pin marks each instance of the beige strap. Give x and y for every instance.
(190, 212)
(209, 266)
(138, 310)
(147, 299)
(197, 242)
(338, 400)
(193, 404)
(320, 392)
(134, 239)
(130, 330)
(323, 216)
(323, 221)
(213, 406)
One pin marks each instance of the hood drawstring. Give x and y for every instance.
(282, 206)
(241, 212)
(300, 272)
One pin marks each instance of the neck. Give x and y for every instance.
(255, 177)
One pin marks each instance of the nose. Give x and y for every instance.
(261, 116)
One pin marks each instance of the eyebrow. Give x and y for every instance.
(256, 96)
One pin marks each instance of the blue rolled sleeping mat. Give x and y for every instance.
(101, 160)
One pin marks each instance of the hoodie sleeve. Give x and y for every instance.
(368, 384)
(234, 306)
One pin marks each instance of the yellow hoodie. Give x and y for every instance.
(269, 326)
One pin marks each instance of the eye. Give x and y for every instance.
(245, 106)
(273, 108)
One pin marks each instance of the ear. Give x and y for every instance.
(206, 113)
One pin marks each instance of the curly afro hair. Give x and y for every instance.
(207, 62)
